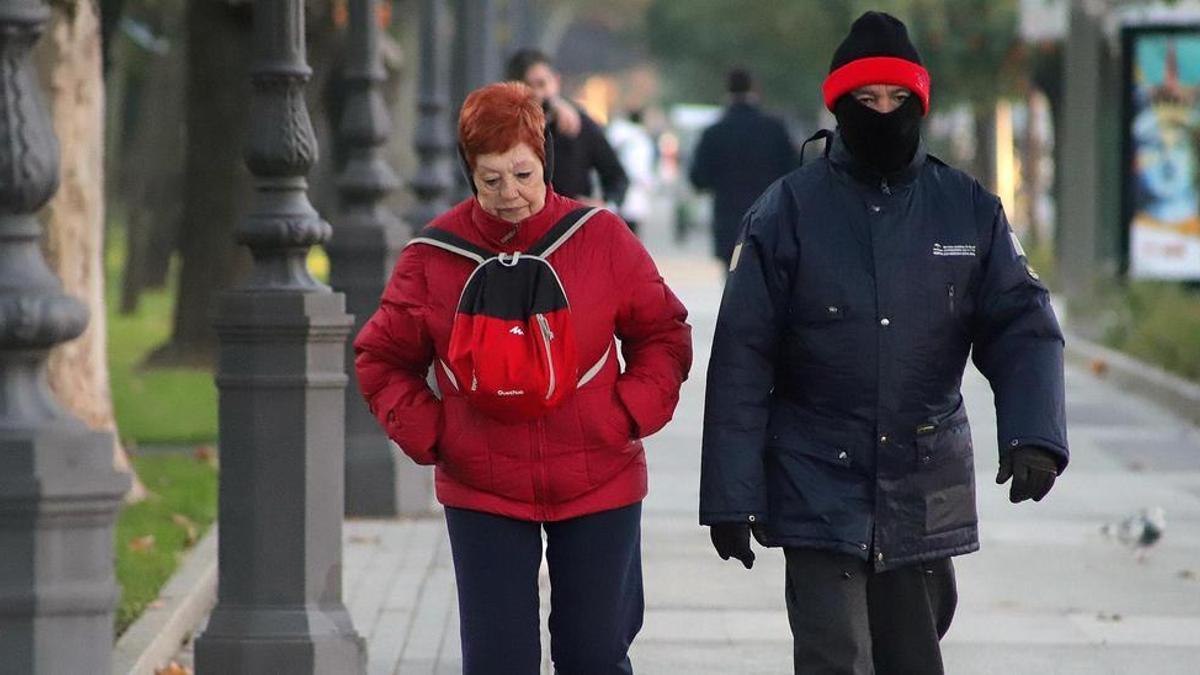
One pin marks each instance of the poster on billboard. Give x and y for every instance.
(1163, 152)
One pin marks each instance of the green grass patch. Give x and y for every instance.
(152, 536)
(1158, 322)
(160, 406)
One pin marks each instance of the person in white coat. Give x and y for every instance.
(635, 148)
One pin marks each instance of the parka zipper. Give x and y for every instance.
(883, 186)
(950, 295)
(547, 336)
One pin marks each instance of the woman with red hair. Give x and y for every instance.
(577, 470)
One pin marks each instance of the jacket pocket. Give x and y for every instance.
(602, 419)
(463, 451)
(815, 491)
(946, 476)
(817, 314)
(607, 433)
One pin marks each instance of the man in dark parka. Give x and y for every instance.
(834, 424)
(737, 158)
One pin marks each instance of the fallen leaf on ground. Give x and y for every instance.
(142, 544)
(1190, 575)
(188, 526)
(1099, 367)
(173, 668)
(205, 453)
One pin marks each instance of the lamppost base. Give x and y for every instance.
(382, 483)
(59, 496)
(371, 485)
(297, 640)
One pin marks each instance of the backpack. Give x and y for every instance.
(512, 346)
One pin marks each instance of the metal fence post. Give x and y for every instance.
(59, 493)
(281, 379)
(362, 253)
(434, 144)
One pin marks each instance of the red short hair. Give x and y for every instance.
(497, 117)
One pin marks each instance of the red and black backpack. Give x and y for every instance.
(512, 345)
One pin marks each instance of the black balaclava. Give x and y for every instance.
(877, 51)
(885, 142)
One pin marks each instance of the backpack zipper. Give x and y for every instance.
(547, 336)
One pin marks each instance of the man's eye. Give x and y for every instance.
(524, 175)
(865, 98)
(491, 182)
(900, 97)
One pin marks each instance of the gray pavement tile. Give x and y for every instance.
(1177, 453)
(428, 629)
(1046, 594)
(693, 658)
(989, 658)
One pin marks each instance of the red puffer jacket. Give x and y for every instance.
(583, 456)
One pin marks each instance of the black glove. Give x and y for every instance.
(732, 540)
(1032, 470)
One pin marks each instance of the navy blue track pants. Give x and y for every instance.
(596, 600)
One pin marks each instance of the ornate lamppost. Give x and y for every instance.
(59, 492)
(362, 253)
(281, 378)
(476, 60)
(434, 144)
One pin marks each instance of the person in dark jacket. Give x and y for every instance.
(834, 424)
(737, 158)
(580, 146)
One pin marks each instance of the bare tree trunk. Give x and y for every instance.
(984, 168)
(216, 184)
(150, 173)
(74, 242)
(1032, 166)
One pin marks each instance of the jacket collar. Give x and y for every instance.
(500, 235)
(842, 158)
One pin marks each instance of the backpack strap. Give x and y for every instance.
(439, 238)
(558, 235)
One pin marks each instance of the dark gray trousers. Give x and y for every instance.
(848, 620)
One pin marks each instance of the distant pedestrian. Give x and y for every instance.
(580, 146)
(737, 158)
(834, 423)
(635, 148)
(471, 297)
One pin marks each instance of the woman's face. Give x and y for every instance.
(510, 184)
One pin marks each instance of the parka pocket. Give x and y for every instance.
(463, 450)
(816, 314)
(946, 477)
(815, 490)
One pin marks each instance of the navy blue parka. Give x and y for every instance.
(834, 418)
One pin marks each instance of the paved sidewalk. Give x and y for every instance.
(1047, 594)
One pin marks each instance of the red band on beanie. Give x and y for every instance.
(877, 70)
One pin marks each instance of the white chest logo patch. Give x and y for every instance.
(954, 249)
